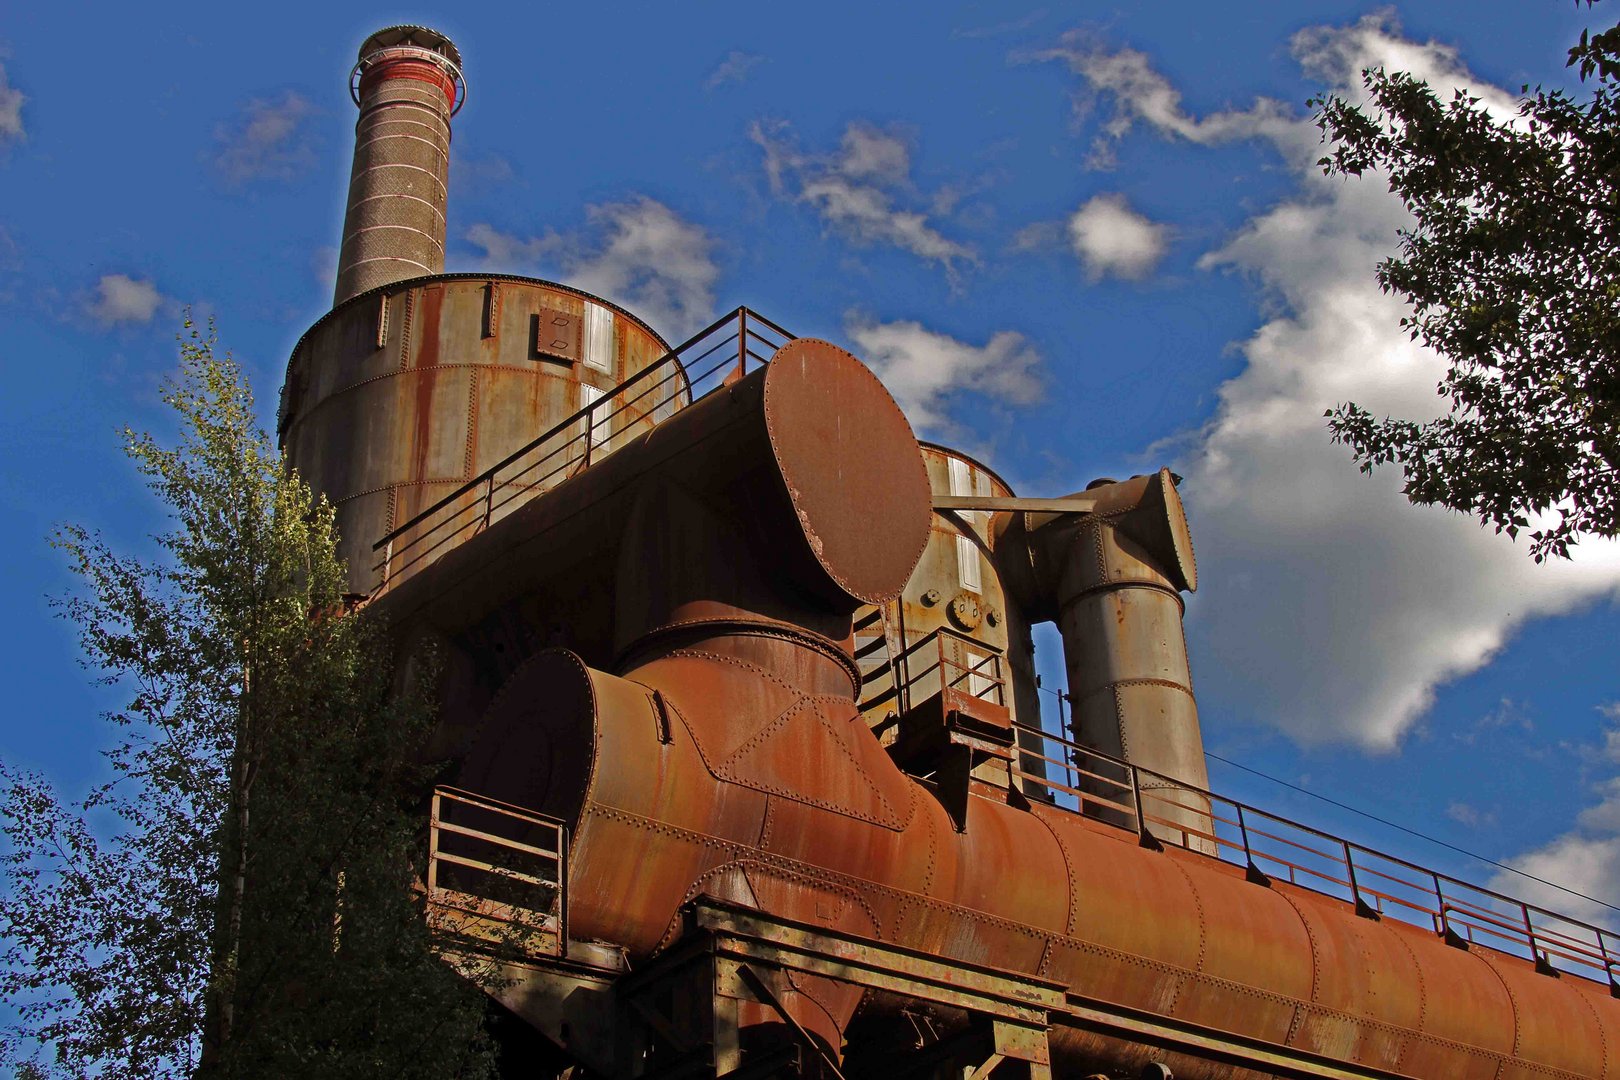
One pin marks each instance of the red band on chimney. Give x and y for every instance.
(420, 70)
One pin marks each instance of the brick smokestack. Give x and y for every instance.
(408, 85)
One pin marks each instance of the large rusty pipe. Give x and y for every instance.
(738, 503)
(1112, 581)
(703, 773)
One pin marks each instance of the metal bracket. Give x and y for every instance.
(763, 991)
(1072, 504)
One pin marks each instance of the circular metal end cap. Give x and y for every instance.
(1180, 536)
(853, 470)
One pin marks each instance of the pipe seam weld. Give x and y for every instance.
(1115, 586)
(745, 627)
(1170, 684)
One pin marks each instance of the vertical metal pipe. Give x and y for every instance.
(407, 83)
(1116, 578)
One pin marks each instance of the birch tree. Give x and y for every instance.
(237, 899)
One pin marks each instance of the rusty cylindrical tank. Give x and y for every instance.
(400, 396)
(408, 84)
(721, 752)
(955, 589)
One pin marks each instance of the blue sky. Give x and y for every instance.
(1076, 240)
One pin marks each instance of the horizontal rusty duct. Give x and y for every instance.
(751, 445)
(728, 348)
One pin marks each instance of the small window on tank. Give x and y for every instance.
(598, 337)
(967, 553)
(596, 421)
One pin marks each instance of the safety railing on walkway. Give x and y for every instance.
(941, 660)
(1268, 847)
(728, 348)
(497, 873)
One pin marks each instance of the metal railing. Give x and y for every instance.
(726, 349)
(497, 873)
(975, 675)
(1163, 810)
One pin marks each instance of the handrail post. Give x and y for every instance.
(1363, 908)
(1251, 869)
(1443, 925)
(1529, 931)
(1143, 834)
(433, 847)
(562, 890)
(489, 499)
(742, 342)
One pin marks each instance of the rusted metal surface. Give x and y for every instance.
(386, 431)
(955, 591)
(683, 598)
(1112, 581)
(700, 737)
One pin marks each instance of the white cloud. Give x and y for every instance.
(123, 299)
(638, 253)
(1586, 858)
(508, 253)
(997, 29)
(924, 369)
(1139, 93)
(11, 103)
(1466, 815)
(734, 68)
(1586, 864)
(1112, 239)
(1333, 608)
(266, 141)
(857, 190)
(479, 174)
